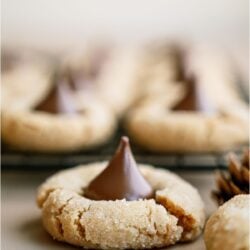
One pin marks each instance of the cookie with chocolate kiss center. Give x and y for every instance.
(121, 179)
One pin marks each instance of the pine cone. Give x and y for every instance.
(235, 181)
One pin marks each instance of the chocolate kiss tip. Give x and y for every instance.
(125, 140)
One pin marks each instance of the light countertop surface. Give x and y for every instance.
(21, 219)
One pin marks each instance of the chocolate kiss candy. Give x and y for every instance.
(195, 98)
(121, 179)
(60, 99)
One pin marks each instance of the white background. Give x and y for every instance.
(58, 24)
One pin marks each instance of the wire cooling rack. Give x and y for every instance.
(15, 160)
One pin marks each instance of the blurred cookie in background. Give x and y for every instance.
(67, 117)
(202, 113)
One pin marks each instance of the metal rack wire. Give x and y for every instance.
(15, 160)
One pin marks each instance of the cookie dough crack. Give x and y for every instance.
(152, 223)
(58, 215)
(41, 201)
(187, 222)
(80, 229)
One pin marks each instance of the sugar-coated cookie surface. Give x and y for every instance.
(53, 113)
(228, 227)
(176, 213)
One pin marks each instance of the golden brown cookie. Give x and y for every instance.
(228, 227)
(202, 113)
(45, 132)
(158, 129)
(67, 116)
(175, 214)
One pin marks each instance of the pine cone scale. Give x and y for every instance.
(235, 181)
(245, 177)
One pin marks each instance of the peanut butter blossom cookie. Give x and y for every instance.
(201, 113)
(67, 118)
(119, 205)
